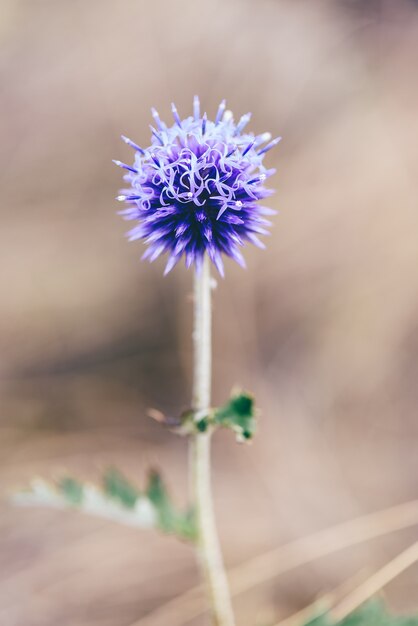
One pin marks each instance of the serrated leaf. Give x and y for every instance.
(118, 487)
(72, 490)
(117, 500)
(239, 415)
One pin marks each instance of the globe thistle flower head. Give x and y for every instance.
(197, 188)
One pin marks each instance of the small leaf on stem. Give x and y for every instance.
(239, 415)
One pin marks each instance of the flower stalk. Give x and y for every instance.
(209, 550)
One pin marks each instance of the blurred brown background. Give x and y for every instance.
(322, 326)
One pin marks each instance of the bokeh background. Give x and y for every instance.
(322, 325)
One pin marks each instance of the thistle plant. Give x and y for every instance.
(196, 192)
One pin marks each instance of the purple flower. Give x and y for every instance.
(197, 188)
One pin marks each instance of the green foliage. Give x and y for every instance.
(168, 519)
(118, 499)
(238, 414)
(372, 613)
(72, 490)
(116, 486)
(320, 620)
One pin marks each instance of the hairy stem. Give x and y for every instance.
(210, 555)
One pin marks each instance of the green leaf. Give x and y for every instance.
(169, 520)
(116, 486)
(239, 415)
(158, 495)
(372, 613)
(72, 490)
(186, 525)
(320, 620)
(117, 500)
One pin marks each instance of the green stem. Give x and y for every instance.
(210, 555)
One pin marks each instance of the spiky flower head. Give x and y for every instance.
(196, 188)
